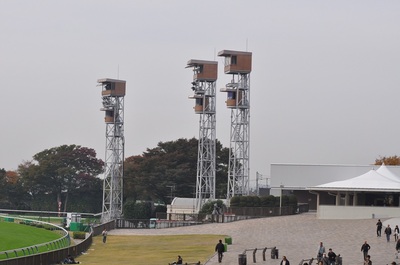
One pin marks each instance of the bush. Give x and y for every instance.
(159, 209)
(208, 207)
(79, 235)
(137, 210)
(235, 201)
(254, 201)
(129, 209)
(243, 201)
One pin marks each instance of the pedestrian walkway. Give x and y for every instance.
(297, 237)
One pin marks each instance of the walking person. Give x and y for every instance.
(321, 251)
(220, 248)
(367, 260)
(285, 261)
(364, 248)
(104, 234)
(379, 228)
(396, 233)
(388, 232)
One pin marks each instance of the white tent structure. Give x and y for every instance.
(373, 194)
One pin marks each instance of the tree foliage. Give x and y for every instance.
(12, 194)
(390, 160)
(61, 170)
(138, 210)
(169, 170)
(208, 207)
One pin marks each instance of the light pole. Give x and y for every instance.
(280, 200)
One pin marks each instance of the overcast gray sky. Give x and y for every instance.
(324, 86)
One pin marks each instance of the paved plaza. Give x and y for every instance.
(297, 237)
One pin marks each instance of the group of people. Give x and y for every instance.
(387, 231)
(323, 258)
(70, 260)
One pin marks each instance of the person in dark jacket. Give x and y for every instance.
(179, 261)
(388, 232)
(285, 261)
(220, 248)
(379, 228)
(364, 248)
(331, 257)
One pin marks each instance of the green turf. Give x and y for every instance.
(15, 236)
(149, 250)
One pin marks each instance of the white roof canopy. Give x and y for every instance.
(381, 180)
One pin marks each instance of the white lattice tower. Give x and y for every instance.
(204, 88)
(113, 93)
(238, 65)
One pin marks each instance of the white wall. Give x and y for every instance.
(356, 212)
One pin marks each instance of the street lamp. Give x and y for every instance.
(280, 200)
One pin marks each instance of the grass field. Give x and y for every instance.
(15, 236)
(150, 250)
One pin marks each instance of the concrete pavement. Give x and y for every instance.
(297, 237)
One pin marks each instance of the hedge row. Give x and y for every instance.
(263, 201)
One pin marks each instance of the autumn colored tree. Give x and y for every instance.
(12, 194)
(389, 161)
(169, 170)
(62, 170)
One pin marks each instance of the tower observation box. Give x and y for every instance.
(236, 62)
(204, 72)
(112, 89)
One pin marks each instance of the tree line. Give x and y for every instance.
(69, 177)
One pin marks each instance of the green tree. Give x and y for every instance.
(208, 207)
(12, 194)
(61, 170)
(169, 170)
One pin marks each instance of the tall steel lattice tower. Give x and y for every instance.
(204, 87)
(113, 93)
(238, 64)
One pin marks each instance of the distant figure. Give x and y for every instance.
(220, 248)
(321, 251)
(367, 260)
(388, 232)
(393, 263)
(378, 227)
(216, 209)
(104, 233)
(396, 233)
(398, 245)
(179, 261)
(70, 260)
(325, 259)
(364, 248)
(285, 261)
(331, 257)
